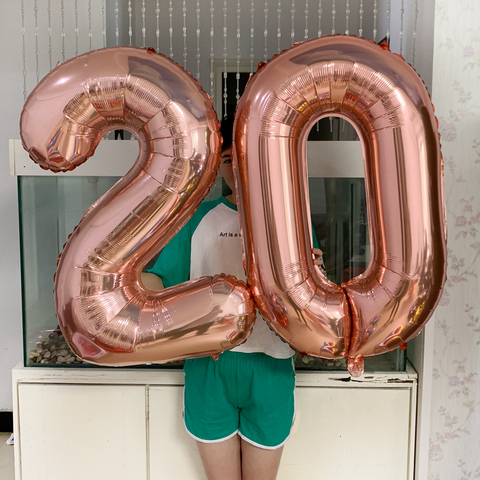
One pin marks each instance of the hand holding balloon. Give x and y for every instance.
(318, 257)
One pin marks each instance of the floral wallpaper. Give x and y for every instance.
(455, 413)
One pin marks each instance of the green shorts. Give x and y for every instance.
(251, 394)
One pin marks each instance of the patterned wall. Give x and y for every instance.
(455, 427)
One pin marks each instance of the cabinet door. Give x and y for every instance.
(340, 433)
(173, 452)
(79, 432)
(350, 433)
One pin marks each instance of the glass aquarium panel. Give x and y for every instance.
(51, 207)
(339, 218)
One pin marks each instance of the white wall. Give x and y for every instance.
(11, 99)
(455, 407)
(11, 82)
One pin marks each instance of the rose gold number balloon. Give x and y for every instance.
(388, 104)
(107, 316)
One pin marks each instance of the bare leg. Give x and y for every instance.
(221, 460)
(259, 463)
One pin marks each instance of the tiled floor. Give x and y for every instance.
(6, 458)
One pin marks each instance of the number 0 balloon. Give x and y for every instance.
(388, 104)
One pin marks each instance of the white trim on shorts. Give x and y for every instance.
(210, 441)
(260, 445)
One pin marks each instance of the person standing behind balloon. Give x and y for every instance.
(238, 408)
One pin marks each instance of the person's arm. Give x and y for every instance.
(152, 281)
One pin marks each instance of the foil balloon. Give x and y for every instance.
(388, 105)
(105, 313)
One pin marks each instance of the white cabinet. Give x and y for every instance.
(115, 424)
(173, 453)
(82, 431)
(345, 433)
